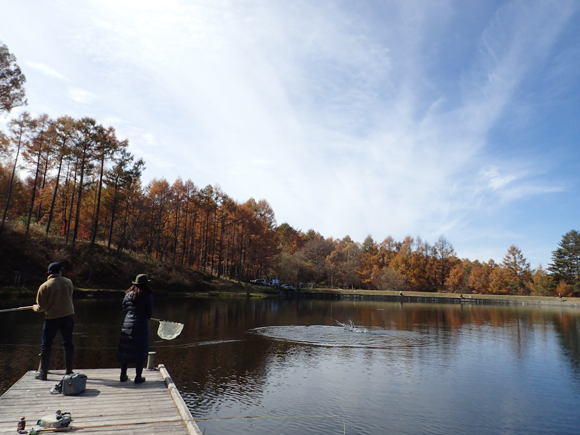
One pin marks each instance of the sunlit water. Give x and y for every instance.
(337, 367)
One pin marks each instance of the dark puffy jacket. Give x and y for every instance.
(134, 342)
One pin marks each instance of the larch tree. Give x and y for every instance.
(517, 271)
(60, 134)
(479, 276)
(540, 283)
(33, 154)
(123, 173)
(20, 129)
(12, 93)
(444, 253)
(106, 146)
(84, 143)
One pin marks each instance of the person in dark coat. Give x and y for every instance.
(134, 341)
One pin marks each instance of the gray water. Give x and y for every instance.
(342, 367)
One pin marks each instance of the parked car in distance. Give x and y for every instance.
(287, 287)
(258, 282)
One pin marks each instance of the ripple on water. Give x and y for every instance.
(343, 336)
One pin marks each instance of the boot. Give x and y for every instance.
(42, 372)
(138, 371)
(68, 357)
(124, 376)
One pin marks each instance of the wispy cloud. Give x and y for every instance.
(46, 70)
(381, 117)
(82, 96)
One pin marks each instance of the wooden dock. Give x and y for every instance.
(108, 406)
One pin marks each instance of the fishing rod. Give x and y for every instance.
(16, 309)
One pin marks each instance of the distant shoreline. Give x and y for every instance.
(251, 291)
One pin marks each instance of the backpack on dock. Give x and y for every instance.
(71, 385)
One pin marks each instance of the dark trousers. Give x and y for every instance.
(51, 326)
(138, 368)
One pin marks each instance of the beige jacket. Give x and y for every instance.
(54, 297)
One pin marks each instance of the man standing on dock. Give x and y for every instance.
(54, 298)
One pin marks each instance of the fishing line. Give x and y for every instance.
(154, 346)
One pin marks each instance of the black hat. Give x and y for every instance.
(141, 279)
(55, 267)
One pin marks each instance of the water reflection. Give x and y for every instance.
(307, 366)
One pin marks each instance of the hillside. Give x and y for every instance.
(23, 265)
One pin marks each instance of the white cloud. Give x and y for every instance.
(493, 179)
(82, 96)
(46, 70)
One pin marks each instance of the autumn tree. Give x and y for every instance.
(84, 142)
(517, 271)
(60, 133)
(120, 179)
(499, 281)
(106, 146)
(444, 255)
(368, 256)
(20, 130)
(290, 240)
(313, 258)
(12, 93)
(455, 281)
(33, 155)
(343, 264)
(389, 279)
(159, 196)
(261, 248)
(480, 275)
(413, 265)
(540, 283)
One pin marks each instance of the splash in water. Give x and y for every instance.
(351, 327)
(342, 335)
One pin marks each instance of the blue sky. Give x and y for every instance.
(397, 118)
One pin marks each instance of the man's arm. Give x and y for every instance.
(40, 300)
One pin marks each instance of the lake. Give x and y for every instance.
(264, 366)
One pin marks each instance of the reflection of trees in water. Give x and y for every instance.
(214, 354)
(233, 361)
(567, 326)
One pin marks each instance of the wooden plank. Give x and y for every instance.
(108, 406)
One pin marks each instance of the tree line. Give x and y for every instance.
(75, 179)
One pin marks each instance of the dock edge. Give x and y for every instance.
(182, 408)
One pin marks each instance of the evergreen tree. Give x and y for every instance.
(565, 264)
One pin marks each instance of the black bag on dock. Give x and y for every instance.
(71, 385)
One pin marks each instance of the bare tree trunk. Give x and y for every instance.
(79, 199)
(11, 181)
(54, 194)
(113, 211)
(33, 193)
(96, 225)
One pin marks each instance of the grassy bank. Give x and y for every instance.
(23, 264)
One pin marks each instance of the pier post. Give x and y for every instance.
(151, 361)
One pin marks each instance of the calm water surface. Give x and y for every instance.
(341, 367)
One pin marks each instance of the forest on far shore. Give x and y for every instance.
(75, 180)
